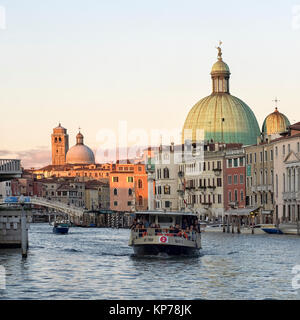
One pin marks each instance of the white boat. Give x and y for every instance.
(290, 228)
(156, 232)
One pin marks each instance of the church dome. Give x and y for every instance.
(275, 122)
(220, 67)
(222, 117)
(80, 153)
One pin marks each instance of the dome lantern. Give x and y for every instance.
(220, 74)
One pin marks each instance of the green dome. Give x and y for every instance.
(221, 117)
(224, 118)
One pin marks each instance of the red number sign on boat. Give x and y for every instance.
(163, 239)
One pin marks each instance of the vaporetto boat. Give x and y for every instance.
(172, 233)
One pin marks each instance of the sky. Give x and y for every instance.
(94, 63)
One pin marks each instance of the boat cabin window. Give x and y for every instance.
(162, 219)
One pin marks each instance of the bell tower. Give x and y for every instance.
(60, 145)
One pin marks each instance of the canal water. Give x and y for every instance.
(98, 264)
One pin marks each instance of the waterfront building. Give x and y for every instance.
(97, 195)
(5, 189)
(287, 175)
(128, 187)
(223, 117)
(67, 190)
(166, 177)
(260, 179)
(234, 179)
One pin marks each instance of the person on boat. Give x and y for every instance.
(184, 224)
(134, 223)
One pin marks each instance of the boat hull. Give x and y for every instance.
(60, 230)
(156, 249)
(272, 230)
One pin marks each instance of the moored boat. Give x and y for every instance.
(271, 229)
(172, 233)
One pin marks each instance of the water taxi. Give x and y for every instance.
(172, 233)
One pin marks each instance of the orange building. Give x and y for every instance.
(128, 187)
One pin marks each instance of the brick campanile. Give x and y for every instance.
(60, 145)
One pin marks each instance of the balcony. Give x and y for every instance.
(291, 196)
(217, 171)
(211, 187)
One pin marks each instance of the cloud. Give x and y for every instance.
(33, 158)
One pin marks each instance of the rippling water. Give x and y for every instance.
(98, 264)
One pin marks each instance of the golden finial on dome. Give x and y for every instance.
(219, 51)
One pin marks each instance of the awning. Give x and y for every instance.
(267, 212)
(241, 211)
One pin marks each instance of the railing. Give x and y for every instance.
(10, 166)
(142, 232)
(59, 206)
(292, 195)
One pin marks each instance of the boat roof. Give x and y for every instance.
(167, 213)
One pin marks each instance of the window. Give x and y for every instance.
(167, 190)
(229, 179)
(229, 196)
(260, 156)
(298, 146)
(276, 151)
(241, 178)
(115, 203)
(140, 184)
(166, 173)
(241, 161)
(255, 157)
(242, 195)
(229, 163)
(271, 155)
(115, 192)
(289, 148)
(266, 155)
(283, 149)
(235, 195)
(235, 162)
(130, 179)
(219, 182)
(130, 192)
(140, 200)
(115, 179)
(235, 179)
(128, 203)
(219, 198)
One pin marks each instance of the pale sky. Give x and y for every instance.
(92, 63)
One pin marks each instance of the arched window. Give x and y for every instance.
(166, 189)
(55, 140)
(166, 173)
(140, 184)
(140, 200)
(130, 192)
(115, 192)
